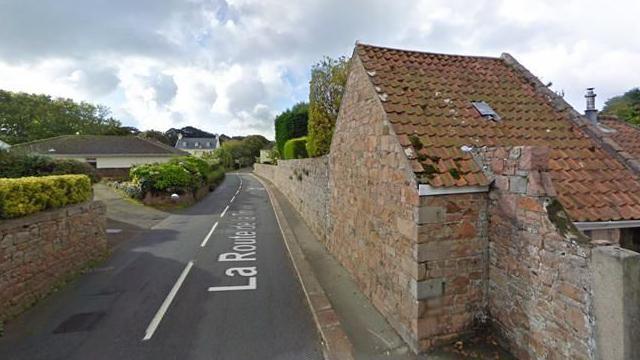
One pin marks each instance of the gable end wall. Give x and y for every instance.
(373, 205)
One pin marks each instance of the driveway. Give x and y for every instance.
(211, 282)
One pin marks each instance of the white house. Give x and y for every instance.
(4, 145)
(198, 146)
(110, 155)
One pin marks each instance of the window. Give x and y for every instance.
(208, 143)
(184, 143)
(197, 144)
(485, 110)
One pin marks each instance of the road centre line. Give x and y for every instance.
(225, 211)
(206, 239)
(233, 198)
(153, 325)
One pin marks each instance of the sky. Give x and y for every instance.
(230, 66)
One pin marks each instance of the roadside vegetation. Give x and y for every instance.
(235, 154)
(296, 148)
(181, 175)
(291, 124)
(28, 195)
(306, 129)
(16, 165)
(328, 81)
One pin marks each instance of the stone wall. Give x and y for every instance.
(373, 206)
(616, 296)
(452, 255)
(539, 265)
(39, 251)
(305, 182)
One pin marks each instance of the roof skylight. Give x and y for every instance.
(485, 110)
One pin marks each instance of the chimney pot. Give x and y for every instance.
(591, 112)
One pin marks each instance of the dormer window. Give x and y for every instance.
(485, 110)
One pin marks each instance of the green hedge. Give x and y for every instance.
(291, 124)
(17, 165)
(28, 195)
(296, 148)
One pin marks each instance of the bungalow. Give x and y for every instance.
(110, 155)
(473, 176)
(198, 146)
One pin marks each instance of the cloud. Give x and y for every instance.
(231, 66)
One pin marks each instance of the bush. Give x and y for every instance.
(178, 175)
(28, 195)
(16, 165)
(163, 177)
(296, 148)
(215, 178)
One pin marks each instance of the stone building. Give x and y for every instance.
(455, 187)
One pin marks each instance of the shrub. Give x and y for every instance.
(28, 195)
(163, 177)
(15, 165)
(179, 174)
(296, 148)
(215, 177)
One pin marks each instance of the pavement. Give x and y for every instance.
(180, 287)
(369, 335)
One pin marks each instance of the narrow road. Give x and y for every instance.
(213, 282)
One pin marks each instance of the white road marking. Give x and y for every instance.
(153, 325)
(233, 198)
(251, 286)
(204, 242)
(225, 211)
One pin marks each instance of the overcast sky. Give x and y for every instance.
(231, 66)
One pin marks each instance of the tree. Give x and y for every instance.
(328, 80)
(240, 153)
(626, 107)
(157, 136)
(27, 117)
(290, 124)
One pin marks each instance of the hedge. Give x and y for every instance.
(28, 195)
(291, 124)
(296, 148)
(17, 165)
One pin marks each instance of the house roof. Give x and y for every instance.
(208, 143)
(98, 145)
(428, 100)
(625, 135)
(4, 145)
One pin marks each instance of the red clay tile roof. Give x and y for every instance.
(427, 98)
(627, 136)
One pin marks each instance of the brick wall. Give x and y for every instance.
(373, 206)
(539, 268)
(40, 250)
(452, 255)
(305, 182)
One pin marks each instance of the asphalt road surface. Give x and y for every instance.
(186, 289)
